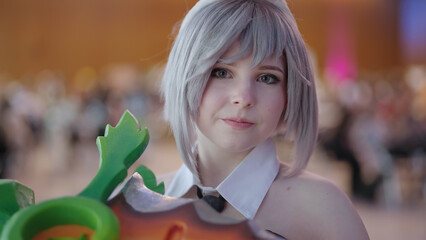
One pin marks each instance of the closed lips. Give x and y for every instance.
(240, 124)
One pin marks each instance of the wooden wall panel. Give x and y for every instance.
(68, 35)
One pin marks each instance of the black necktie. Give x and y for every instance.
(218, 203)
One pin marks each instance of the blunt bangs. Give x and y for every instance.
(263, 34)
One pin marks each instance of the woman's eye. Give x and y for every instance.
(268, 79)
(220, 73)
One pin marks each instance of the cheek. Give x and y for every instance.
(210, 101)
(276, 111)
(213, 94)
(275, 108)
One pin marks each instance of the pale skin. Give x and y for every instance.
(241, 107)
(309, 207)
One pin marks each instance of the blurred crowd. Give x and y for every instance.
(60, 113)
(375, 123)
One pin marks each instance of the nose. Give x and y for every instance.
(243, 95)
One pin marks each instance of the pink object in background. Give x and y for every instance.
(340, 64)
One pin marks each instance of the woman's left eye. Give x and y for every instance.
(220, 73)
(269, 79)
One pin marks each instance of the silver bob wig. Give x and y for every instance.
(264, 28)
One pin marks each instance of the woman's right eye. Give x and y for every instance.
(220, 73)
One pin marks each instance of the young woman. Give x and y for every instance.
(237, 72)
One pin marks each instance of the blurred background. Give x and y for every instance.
(67, 68)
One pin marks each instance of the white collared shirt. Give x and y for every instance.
(246, 186)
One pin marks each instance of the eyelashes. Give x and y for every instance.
(220, 73)
(267, 78)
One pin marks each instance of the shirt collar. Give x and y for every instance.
(246, 186)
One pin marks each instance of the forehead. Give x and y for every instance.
(232, 50)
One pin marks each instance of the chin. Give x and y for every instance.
(237, 148)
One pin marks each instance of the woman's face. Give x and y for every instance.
(241, 106)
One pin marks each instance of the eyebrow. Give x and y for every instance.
(270, 67)
(262, 67)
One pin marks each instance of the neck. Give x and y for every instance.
(215, 164)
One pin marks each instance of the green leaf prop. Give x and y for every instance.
(118, 149)
(14, 196)
(149, 179)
